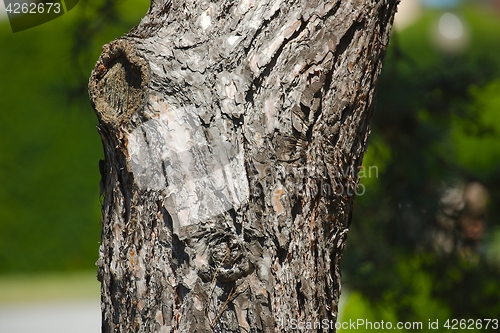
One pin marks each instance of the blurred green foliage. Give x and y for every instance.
(436, 127)
(49, 147)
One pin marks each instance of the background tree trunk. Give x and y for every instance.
(233, 132)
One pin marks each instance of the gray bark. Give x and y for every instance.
(233, 132)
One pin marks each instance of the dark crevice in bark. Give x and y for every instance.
(257, 82)
(178, 252)
(234, 218)
(226, 9)
(301, 300)
(306, 110)
(166, 7)
(238, 122)
(123, 185)
(332, 11)
(282, 255)
(114, 286)
(296, 208)
(189, 47)
(261, 198)
(259, 30)
(328, 82)
(309, 133)
(347, 38)
(182, 292)
(346, 112)
(164, 171)
(272, 63)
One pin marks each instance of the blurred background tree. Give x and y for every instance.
(425, 237)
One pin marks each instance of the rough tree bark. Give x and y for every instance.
(233, 132)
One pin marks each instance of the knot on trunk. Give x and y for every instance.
(118, 85)
(227, 259)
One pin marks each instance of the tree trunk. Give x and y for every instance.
(233, 132)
